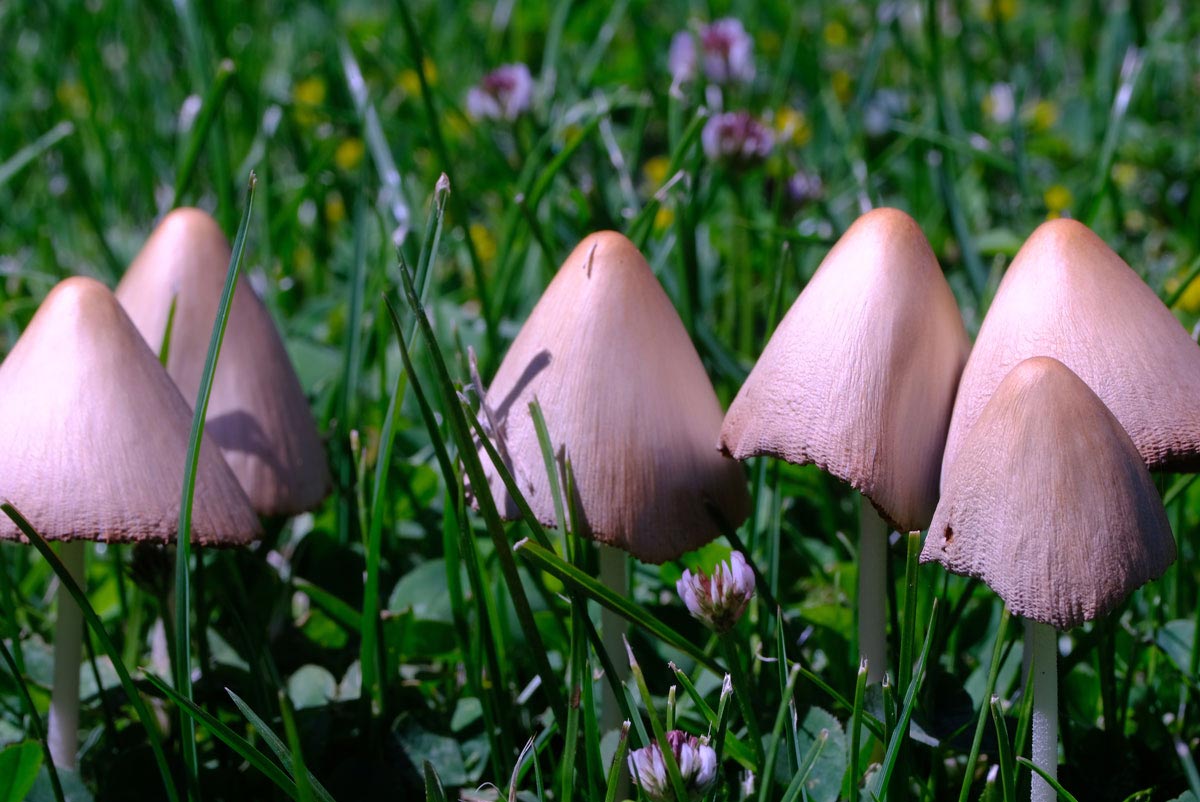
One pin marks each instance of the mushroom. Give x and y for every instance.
(257, 414)
(1050, 504)
(626, 398)
(1069, 296)
(95, 437)
(859, 379)
(625, 395)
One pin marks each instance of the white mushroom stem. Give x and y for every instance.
(872, 590)
(612, 632)
(68, 643)
(1041, 646)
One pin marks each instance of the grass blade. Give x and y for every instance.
(304, 789)
(183, 550)
(201, 128)
(660, 735)
(282, 751)
(768, 769)
(988, 690)
(26, 155)
(93, 621)
(35, 721)
(227, 736)
(1004, 751)
(1063, 793)
(900, 733)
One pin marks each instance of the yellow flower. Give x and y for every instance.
(835, 34)
(1058, 198)
(992, 10)
(335, 208)
(410, 83)
(1124, 175)
(74, 99)
(1044, 115)
(1190, 300)
(663, 218)
(306, 97)
(655, 171)
(484, 242)
(840, 80)
(792, 125)
(349, 153)
(1135, 223)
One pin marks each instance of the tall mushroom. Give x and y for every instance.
(1050, 504)
(626, 397)
(1069, 296)
(859, 379)
(95, 437)
(257, 414)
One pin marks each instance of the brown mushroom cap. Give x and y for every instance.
(859, 378)
(257, 413)
(1069, 296)
(1049, 502)
(95, 433)
(627, 399)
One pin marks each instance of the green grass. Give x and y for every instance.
(396, 642)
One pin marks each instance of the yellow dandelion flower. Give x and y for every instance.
(1004, 9)
(306, 97)
(484, 242)
(840, 81)
(1190, 300)
(792, 126)
(1058, 198)
(431, 71)
(663, 218)
(302, 259)
(409, 82)
(349, 153)
(835, 34)
(655, 171)
(1044, 115)
(1124, 175)
(335, 208)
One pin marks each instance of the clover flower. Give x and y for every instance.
(727, 52)
(697, 762)
(736, 137)
(681, 59)
(504, 94)
(718, 600)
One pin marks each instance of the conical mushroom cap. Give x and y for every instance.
(95, 433)
(627, 400)
(1049, 502)
(1069, 296)
(859, 378)
(257, 413)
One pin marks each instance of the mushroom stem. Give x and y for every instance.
(68, 644)
(1042, 648)
(612, 632)
(872, 590)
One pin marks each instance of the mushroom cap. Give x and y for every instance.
(1069, 296)
(859, 378)
(626, 398)
(1049, 502)
(96, 434)
(257, 412)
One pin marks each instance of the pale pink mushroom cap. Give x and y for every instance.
(626, 399)
(95, 433)
(859, 377)
(1049, 502)
(1069, 296)
(257, 413)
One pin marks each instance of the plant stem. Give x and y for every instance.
(68, 644)
(1041, 645)
(741, 689)
(612, 631)
(872, 614)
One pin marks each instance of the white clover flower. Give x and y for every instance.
(736, 137)
(505, 93)
(697, 763)
(728, 56)
(719, 600)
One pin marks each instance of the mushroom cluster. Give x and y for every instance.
(96, 430)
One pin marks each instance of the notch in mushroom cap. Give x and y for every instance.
(626, 397)
(257, 414)
(860, 376)
(1069, 296)
(1049, 502)
(95, 433)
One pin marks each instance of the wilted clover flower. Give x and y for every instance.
(727, 52)
(504, 94)
(697, 767)
(736, 137)
(718, 600)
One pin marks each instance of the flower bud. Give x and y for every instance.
(719, 600)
